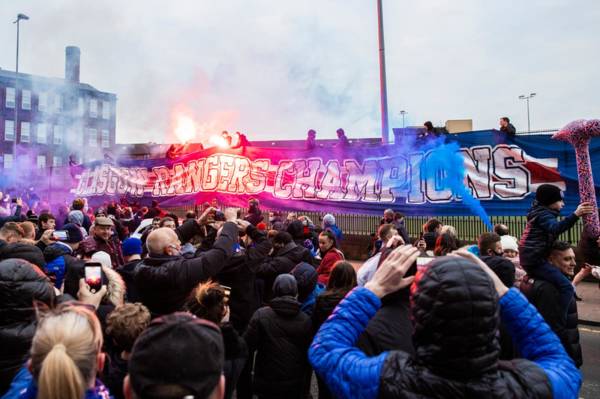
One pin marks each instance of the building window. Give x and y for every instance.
(105, 138)
(92, 138)
(8, 161)
(9, 130)
(56, 161)
(41, 161)
(43, 102)
(25, 131)
(81, 106)
(42, 133)
(10, 97)
(26, 99)
(57, 137)
(105, 110)
(93, 108)
(58, 103)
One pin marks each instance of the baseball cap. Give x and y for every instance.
(177, 355)
(103, 221)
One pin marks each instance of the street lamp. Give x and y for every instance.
(403, 112)
(524, 97)
(16, 123)
(382, 78)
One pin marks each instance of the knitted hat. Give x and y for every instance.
(329, 220)
(509, 243)
(132, 246)
(75, 217)
(548, 194)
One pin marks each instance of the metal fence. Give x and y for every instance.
(468, 228)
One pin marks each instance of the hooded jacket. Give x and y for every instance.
(329, 259)
(455, 310)
(20, 285)
(545, 297)
(280, 333)
(60, 261)
(541, 231)
(164, 282)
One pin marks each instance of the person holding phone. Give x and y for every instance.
(16, 216)
(60, 256)
(166, 278)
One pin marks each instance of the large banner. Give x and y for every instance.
(412, 177)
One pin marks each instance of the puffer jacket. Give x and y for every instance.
(164, 282)
(21, 250)
(545, 297)
(455, 343)
(541, 231)
(280, 334)
(20, 284)
(60, 261)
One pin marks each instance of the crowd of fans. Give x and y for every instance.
(217, 304)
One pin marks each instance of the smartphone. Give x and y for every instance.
(93, 276)
(61, 235)
(227, 292)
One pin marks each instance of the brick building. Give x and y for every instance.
(57, 117)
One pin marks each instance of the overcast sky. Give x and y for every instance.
(275, 68)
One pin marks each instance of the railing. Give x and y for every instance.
(468, 228)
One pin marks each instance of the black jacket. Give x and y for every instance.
(503, 267)
(236, 354)
(456, 352)
(128, 272)
(324, 306)
(282, 262)
(546, 298)
(239, 274)
(390, 328)
(20, 285)
(541, 231)
(280, 333)
(20, 250)
(164, 282)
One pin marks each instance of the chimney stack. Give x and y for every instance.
(72, 56)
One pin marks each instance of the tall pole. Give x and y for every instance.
(382, 78)
(528, 119)
(16, 123)
(527, 98)
(403, 113)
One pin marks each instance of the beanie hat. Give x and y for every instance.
(132, 246)
(103, 258)
(75, 217)
(306, 279)
(74, 234)
(509, 243)
(329, 220)
(548, 194)
(187, 230)
(262, 226)
(285, 285)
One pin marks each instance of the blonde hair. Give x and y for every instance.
(64, 352)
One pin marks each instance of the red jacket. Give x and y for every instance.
(324, 269)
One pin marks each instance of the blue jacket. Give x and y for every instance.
(309, 303)
(349, 373)
(541, 231)
(24, 387)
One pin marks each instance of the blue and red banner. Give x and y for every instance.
(501, 172)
